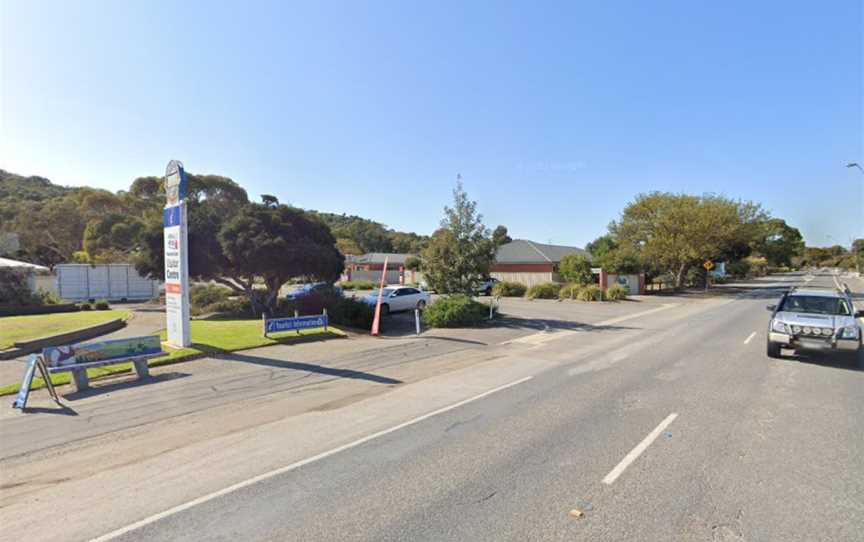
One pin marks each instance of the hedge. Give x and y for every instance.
(546, 290)
(455, 311)
(508, 289)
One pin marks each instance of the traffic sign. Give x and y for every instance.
(708, 265)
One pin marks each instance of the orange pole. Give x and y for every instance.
(376, 322)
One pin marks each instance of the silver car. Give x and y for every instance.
(815, 319)
(399, 298)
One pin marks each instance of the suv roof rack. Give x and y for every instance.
(844, 290)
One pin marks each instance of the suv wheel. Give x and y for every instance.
(773, 350)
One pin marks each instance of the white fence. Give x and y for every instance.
(77, 282)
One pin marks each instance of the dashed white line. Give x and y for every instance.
(637, 451)
(749, 338)
(282, 470)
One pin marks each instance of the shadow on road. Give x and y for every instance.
(309, 367)
(63, 410)
(836, 361)
(97, 389)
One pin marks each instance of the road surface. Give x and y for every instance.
(664, 424)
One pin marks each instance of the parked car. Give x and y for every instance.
(814, 319)
(485, 287)
(399, 298)
(311, 289)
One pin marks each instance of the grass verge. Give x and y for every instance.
(210, 337)
(25, 328)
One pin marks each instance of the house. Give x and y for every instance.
(531, 263)
(369, 267)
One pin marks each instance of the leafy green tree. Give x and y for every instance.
(500, 236)
(348, 247)
(253, 251)
(271, 245)
(598, 248)
(575, 268)
(858, 251)
(461, 251)
(781, 242)
(674, 232)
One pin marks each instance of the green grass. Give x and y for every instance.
(24, 328)
(209, 337)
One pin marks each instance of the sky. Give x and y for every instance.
(555, 114)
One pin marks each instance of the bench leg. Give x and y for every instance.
(141, 368)
(79, 377)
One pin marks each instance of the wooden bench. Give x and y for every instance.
(80, 357)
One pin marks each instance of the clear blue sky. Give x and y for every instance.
(555, 114)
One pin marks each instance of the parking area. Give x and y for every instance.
(519, 316)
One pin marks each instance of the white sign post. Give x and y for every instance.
(176, 257)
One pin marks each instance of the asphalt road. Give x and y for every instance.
(681, 429)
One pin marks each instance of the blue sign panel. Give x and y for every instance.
(171, 216)
(24, 391)
(294, 324)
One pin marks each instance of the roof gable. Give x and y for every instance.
(525, 251)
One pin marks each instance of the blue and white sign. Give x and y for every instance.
(295, 324)
(176, 257)
(24, 391)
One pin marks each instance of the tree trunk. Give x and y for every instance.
(679, 276)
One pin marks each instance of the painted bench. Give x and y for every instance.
(80, 357)
(77, 358)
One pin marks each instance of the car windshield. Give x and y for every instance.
(815, 304)
(384, 293)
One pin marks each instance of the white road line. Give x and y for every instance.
(637, 451)
(749, 338)
(545, 336)
(282, 470)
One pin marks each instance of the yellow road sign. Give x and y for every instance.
(708, 265)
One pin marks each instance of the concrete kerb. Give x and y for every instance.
(69, 337)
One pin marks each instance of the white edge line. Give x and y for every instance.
(637, 451)
(749, 338)
(281, 470)
(544, 336)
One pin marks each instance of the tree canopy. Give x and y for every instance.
(674, 232)
(575, 268)
(461, 252)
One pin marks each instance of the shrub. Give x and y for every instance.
(575, 268)
(591, 292)
(546, 290)
(85, 306)
(14, 291)
(233, 307)
(204, 297)
(758, 265)
(570, 291)
(351, 312)
(508, 289)
(738, 269)
(616, 292)
(357, 285)
(101, 305)
(455, 311)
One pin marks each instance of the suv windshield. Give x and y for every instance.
(815, 304)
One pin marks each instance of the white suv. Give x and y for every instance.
(814, 319)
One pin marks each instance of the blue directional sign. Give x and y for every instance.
(293, 324)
